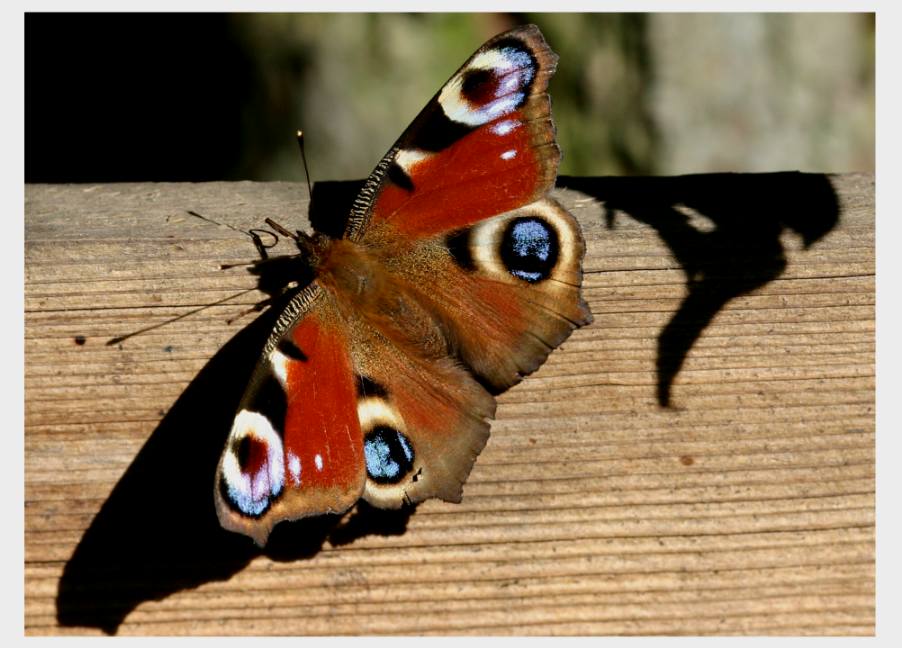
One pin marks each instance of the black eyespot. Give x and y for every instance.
(529, 249)
(368, 387)
(458, 244)
(438, 131)
(397, 175)
(292, 350)
(389, 455)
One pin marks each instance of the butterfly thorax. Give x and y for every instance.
(365, 288)
(348, 270)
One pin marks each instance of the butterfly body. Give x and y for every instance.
(455, 277)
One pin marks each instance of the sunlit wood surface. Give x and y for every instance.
(744, 507)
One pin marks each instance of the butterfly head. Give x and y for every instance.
(283, 274)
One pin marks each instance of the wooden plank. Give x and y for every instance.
(745, 507)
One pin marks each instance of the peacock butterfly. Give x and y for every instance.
(455, 277)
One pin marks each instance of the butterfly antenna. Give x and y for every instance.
(253, 233)
(117, 340)
(259, 306)
(269, 301)
(281, 230)
(273, 224)
(210, 220)
(304, 160)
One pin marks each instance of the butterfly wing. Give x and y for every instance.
(459, 205)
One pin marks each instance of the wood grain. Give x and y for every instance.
(745, 507)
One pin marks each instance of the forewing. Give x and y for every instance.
(482, 146)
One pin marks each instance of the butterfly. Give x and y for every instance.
(455, 277)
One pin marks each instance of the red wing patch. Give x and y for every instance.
(488, 171)
(323, 445)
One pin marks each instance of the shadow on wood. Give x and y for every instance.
(157, 533)
(330, 205)
(739, 251)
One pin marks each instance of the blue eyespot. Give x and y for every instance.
(521, 60)
(529, 249)
(388, 454)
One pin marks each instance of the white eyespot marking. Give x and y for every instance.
(458, 109)
(507, 73)
(258, 475)
(407, 159)
(506, 59)
(502, 128)
(509, 155)
(279, 362)
(294, 468)
(486, 240)
(373, 411)
(318, 460)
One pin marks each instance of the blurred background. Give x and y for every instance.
(195, 97)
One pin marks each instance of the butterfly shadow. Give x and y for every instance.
(157, 532)
(724, 230)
